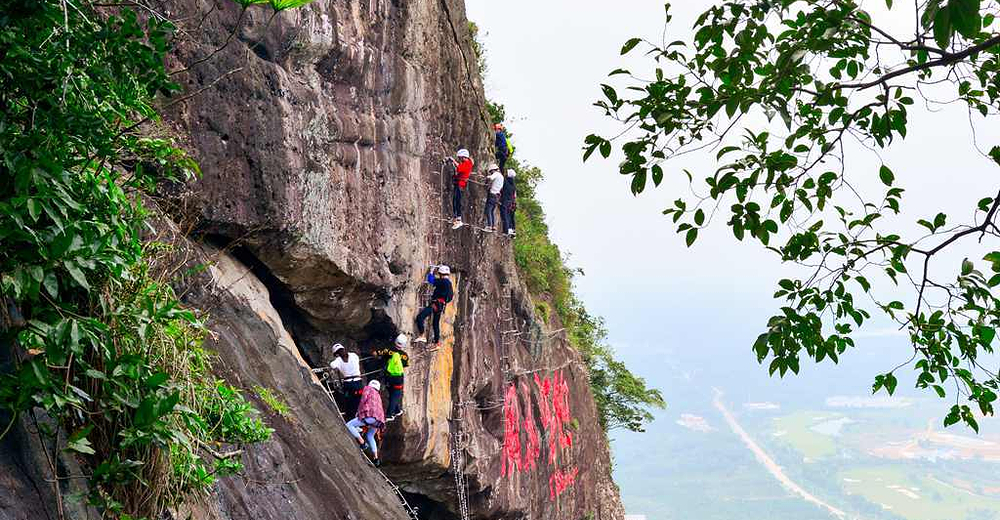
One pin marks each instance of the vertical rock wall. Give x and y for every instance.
(321, 205)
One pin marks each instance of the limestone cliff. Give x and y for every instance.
(320, 208)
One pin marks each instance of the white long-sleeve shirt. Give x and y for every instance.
(349, 369)
(496, 182)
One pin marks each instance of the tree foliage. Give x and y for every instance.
(781, 91)
(97, 341)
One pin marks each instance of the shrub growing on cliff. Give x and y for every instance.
(104, 348)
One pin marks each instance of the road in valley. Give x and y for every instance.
(769, 463)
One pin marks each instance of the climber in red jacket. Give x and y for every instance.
(463, 168)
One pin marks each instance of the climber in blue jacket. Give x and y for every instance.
(503, 151)
(443, 293)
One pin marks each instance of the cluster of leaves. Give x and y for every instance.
(623, 399)
(273, 401)
(104, 348)
(831, 75)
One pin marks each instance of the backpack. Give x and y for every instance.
(510, 146)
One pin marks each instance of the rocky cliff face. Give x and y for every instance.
(321, 206)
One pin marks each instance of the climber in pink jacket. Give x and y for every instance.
(371, 415)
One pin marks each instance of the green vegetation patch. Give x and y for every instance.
(917, 495)
(797, 431)
(273, 401)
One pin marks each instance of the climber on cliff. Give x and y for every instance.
(503, 145)
(495, 179)
(370, 417)
(396, 360)
(443, 293)
(508, 203)
(348, 366)
(463, 168)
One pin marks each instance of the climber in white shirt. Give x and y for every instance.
(348, 366)
(496, 180)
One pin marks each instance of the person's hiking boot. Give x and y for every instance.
(364, 446)
(421, 339)
(376, 462)
(458, 223)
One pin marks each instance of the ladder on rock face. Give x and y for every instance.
(509, 332)
(458, 441)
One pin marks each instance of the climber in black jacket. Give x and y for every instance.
(443, 293)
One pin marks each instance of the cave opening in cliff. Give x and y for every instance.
(314, 344)
(429, 509)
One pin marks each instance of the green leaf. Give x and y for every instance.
(691, 236)
(760, 346)
(986, 335)
(34, 209)
(76, 274)
(886, 175)
(146, 413)
(657, 174)
(965, 17)
(79, 443)
(629, 45)
(156, 380)
(699, 217)
(638, 182)
(942, 27)
(605, 147)
(939, 220)
(51, 284)
(281, 5)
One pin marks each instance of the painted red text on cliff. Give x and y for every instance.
(519, 422)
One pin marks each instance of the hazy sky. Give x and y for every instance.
(546, 61)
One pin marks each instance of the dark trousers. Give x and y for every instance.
(506, 216)
(491, 210)
(395, 384)
(352, 397)
(432, 309)
(502, 161)
(456, 201)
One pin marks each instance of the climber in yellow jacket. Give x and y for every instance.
(396, 360)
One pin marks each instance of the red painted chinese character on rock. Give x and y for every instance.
(532, 445)
(511, 454)
(554, 416)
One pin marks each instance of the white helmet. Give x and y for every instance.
(375, 384)
(402, 340)
(337, 347)
(463, 153)
(493, 168)
(443, 269)
(510, 172)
